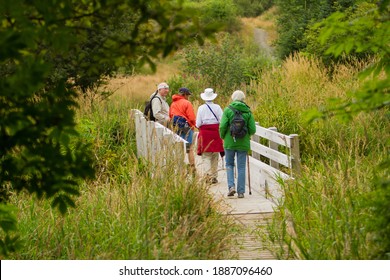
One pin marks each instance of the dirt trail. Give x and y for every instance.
(260, 37)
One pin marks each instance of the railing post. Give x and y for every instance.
(295, 154)
(159, 149)
(256, 139)
(273, 146)
(149, 141)
(141, 133)
(138, 132)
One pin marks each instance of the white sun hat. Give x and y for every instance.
(208, 94)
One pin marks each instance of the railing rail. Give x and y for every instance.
(271, 149)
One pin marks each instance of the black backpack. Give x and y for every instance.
(148, 111)
(238, 127)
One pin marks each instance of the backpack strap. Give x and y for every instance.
(235, 110)
(212, 112)
(154, 96)
(151, 100)
(149, 108)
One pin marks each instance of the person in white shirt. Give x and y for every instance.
(160, 106)
(210, 144)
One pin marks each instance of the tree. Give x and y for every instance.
(368, 31)
(48, 50)
(296, 16)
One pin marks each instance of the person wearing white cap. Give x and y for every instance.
(209, 142)
(160, 107)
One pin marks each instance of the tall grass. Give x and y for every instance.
(324, 213)
(130, 210)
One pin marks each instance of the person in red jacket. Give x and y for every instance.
(183, 116)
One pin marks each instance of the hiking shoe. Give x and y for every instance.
(232, 191)
(214, 181)
(240, 195)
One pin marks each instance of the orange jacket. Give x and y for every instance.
(182, 107)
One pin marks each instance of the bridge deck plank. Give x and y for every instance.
(252, 212)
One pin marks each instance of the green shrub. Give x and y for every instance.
(221, 12)
(297, 16)
(253, 8)
(224, 66)
(315, 47)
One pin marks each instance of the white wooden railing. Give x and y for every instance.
(273, 155)
(156, 143)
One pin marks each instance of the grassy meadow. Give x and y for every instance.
(131, 211)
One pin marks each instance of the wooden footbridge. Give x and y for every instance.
(274, 156)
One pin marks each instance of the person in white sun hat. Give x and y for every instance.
(209, 142)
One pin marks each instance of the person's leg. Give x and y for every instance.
(241, 169)
(206, 160)
(229, 158)
(191, 156)
(189, 138)
(214, 166)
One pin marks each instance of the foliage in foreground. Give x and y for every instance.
(131, 210)
(135, 215)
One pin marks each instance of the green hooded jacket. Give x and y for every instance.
(242, 144)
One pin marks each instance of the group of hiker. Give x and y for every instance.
(217, 131)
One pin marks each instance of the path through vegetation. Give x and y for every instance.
(260, 37)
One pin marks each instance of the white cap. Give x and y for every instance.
(162, 85)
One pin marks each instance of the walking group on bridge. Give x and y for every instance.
(224, 133)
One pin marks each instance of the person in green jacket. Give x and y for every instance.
(236, 146)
